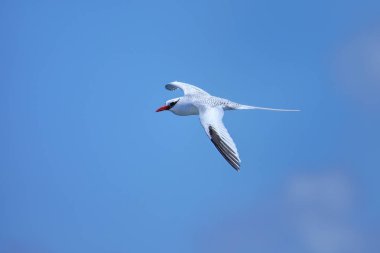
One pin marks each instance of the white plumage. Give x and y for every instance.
(210, 110)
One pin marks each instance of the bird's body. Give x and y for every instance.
(210, 110)
(189, 105)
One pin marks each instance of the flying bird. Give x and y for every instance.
(210, 110)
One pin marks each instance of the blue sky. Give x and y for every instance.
(88, 166)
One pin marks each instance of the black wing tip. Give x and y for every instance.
(169, 86)
(235, 166)
(172, 85)
(224, 149)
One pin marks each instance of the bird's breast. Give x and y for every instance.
(185, 109)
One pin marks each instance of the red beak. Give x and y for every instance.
(163, 108)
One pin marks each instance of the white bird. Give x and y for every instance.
(210, 110)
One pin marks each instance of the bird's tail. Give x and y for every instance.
(248, 107)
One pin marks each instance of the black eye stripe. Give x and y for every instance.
(173, 103)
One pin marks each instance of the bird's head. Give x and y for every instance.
(168, 105)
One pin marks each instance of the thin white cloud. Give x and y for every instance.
(316, 213)
(357, 67)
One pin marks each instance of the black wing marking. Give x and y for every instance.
(224, 149)
(187, 88)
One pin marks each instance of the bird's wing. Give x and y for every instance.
(188, 89)
(211, 120)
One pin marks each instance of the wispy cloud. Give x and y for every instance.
(357, 67)
(315, 213)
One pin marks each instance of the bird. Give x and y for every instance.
(211, 111)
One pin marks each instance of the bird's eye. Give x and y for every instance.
(173, 103)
